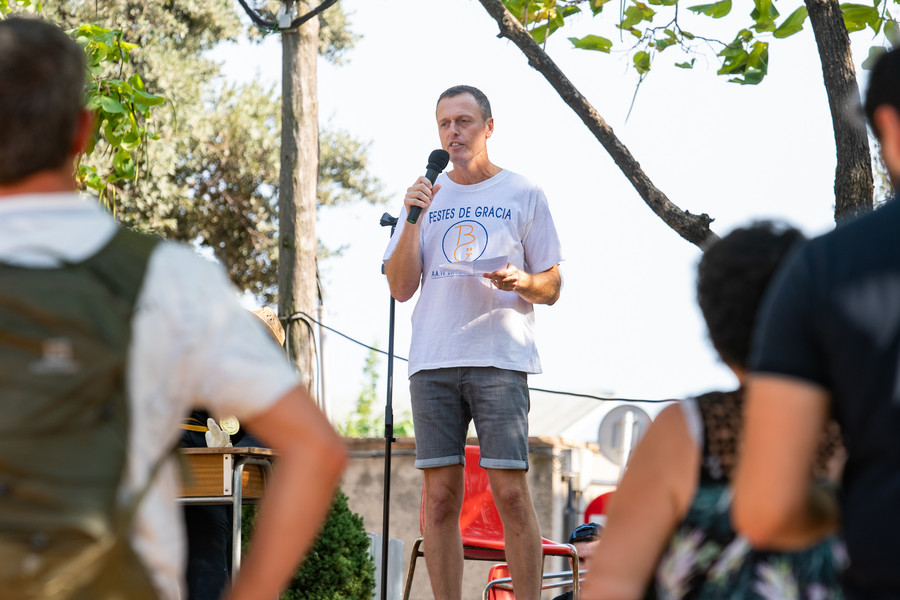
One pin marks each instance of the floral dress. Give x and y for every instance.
(706, 559)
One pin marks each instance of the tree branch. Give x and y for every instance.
(693, 228)
(853, 187)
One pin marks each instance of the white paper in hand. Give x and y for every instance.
(476, 268)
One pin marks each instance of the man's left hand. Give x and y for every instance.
(505, 279)
(537, 288)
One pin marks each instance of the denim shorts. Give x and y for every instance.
(444, 401)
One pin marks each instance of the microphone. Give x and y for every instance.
(437, 160)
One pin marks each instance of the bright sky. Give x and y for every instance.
(626, 323)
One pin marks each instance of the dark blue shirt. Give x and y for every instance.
(832, 318)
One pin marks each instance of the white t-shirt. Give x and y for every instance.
(193, 346)
(463, 320)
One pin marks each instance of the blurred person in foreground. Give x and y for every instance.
(828, 344)
(209, 527)
(188, 343)
(668, 531)
(585, 538)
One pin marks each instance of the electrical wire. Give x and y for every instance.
(307, 318)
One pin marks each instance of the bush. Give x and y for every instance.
(339, 566)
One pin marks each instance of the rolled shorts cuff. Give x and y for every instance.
(443, 461)
(508, 465)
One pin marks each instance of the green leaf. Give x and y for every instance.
(663, 43)
(759, 57)
(131, 141)
(858, 16)
(148, 99)
(764, 14)
(686, 65)
(716, 10)
(136, 82)
(597, 6)
(892, 31)
(875, 53)
(636, 13)
(751, 77)
(112, 133)
(111, 105)
(539, 33)
(792, 24)
(592, 42)
(642, 62)
(746, 58)
(542, 31)
(94, 182)
(123, 163)
(93, 101)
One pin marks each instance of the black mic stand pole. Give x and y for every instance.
(388, 220)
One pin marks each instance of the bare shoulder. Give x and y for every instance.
(647, 506)
(669, 456)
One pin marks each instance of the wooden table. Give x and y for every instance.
(234, 476)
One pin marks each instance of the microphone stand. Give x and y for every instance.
(388, 221)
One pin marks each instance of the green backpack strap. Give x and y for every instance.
(123, 576)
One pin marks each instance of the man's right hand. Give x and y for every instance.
(420, 194)
(311, 459)
(404, 267)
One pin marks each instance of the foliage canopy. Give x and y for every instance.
(210, 177)
(647, 28)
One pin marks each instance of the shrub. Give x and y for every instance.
(339, 566)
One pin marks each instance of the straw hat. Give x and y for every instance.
(273, 325)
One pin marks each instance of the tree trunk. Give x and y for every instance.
(853, 187)
(693, 228)
(297, 198)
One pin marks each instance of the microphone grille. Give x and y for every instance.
(438, 159)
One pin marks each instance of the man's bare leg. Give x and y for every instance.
(521, 531)
(444, 488)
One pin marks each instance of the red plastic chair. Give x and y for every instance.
(496, 592)
(480, 525)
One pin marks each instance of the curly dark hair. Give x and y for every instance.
(731, 279)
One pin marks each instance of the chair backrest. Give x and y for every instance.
(479, 521)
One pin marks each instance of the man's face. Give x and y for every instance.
(585, 552)
(463, 131)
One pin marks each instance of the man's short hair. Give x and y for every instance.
(588, 532)
(41, 95)
(731, 279)
(457, 90)
(884, 85)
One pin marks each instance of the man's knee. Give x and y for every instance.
(511, 494)
(443, 496)
(441, 508)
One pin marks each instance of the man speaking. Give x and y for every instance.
(485, 250)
